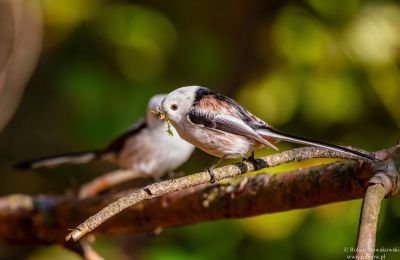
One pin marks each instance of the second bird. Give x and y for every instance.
(146, 149)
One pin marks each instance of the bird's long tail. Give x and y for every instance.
(52, 161)
(276, 134)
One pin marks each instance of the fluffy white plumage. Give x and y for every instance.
(152, 151)
(145, 148)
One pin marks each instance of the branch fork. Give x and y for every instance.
(384, 183)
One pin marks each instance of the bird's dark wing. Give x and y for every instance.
(118, 143)
(206, 99)
(232, 117)
(226, 123)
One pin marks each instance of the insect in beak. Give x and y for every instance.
(160, 114)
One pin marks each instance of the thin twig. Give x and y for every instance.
(385, 182)
(84, 250)
(106, 181)
(368, 221)
(165, 187)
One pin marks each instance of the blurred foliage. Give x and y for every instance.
(323, 69)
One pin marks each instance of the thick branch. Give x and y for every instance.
(165, 187)
(45, 220)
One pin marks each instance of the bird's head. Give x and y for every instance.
(177, 104)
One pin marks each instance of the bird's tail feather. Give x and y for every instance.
(52, 161)
(273, 133)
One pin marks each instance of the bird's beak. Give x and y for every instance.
(162, 115)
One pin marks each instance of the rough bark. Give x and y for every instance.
(46, 219)
(165, 187)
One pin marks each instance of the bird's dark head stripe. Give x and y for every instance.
(200, 93)
(245, 115)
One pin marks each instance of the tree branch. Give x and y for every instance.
(107, 181)
(45, 219)
(384, 182)
(165, 187)
(368, 221)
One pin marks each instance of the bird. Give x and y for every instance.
(145, 148)
(221, 127)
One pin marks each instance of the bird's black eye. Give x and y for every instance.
(174, 106)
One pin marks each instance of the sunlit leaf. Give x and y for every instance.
(68, 13)
(373, 37)
(136, 26)
(336, 11)
(273, 98)
(331, 98)
(386, 82)
(274, 226)
(52, 252)
(141, 36)
(343, 216)
(299, 37)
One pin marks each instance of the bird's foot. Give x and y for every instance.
(254, 161)
(210, 171)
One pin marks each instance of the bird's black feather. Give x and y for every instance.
(117, 144)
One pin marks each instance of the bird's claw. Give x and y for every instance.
(254, 161)
(210, 171)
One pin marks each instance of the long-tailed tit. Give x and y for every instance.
(220, 126)
(145, 149)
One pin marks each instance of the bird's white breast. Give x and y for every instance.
(153, 151)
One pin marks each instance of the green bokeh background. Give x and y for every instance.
(322, 69)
